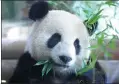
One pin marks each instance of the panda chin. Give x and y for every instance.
(61, 68)
(63, 71)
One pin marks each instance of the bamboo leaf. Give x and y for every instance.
(93, 47)
(100, 39)
(87, 68)
(110, 3)
(90, 66)
(48, 68)
(44, 69)
(85, 11)
(89, 26)
(112, 43)
(52, 3)
(95, 17)
(41, 62)
(116, 31)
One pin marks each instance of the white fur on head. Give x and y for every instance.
(70, 27)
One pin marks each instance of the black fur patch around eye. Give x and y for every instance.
(77, 46)
(54, 39)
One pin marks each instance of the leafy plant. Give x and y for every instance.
(100, 37)
(47, 66)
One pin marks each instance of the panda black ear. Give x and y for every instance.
(38, 10)
(91, 27)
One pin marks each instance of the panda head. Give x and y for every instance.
(60, 36)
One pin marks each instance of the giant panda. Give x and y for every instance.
(62, 37)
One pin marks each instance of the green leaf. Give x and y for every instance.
(100, 39)
(84, 64)
(95, 17)
(103, 48)
(90, 66)
(89, 26)
(41, 62)
(52, 3)
(85, 11)
(110, 3)
(115, 37)
(83, 70)
(103, 31)
(44, 69)
(88, 4)
(116, 31)
(87, 68)
(112, 43)
(49, 68)
(94, 57)
(93, 47)
(111, 25)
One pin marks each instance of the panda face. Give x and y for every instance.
(62, 37)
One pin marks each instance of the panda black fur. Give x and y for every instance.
(65, 45)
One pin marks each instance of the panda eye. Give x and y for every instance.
(53, 40)
(77, 46)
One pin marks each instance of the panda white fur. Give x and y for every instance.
(57, 35)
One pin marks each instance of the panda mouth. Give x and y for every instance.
(61, 65)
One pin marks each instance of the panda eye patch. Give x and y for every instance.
(77, 46)
(53, 40)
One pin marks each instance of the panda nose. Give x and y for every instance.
(65, 59)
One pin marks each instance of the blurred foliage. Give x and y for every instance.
(6, 13)
(62, 5)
